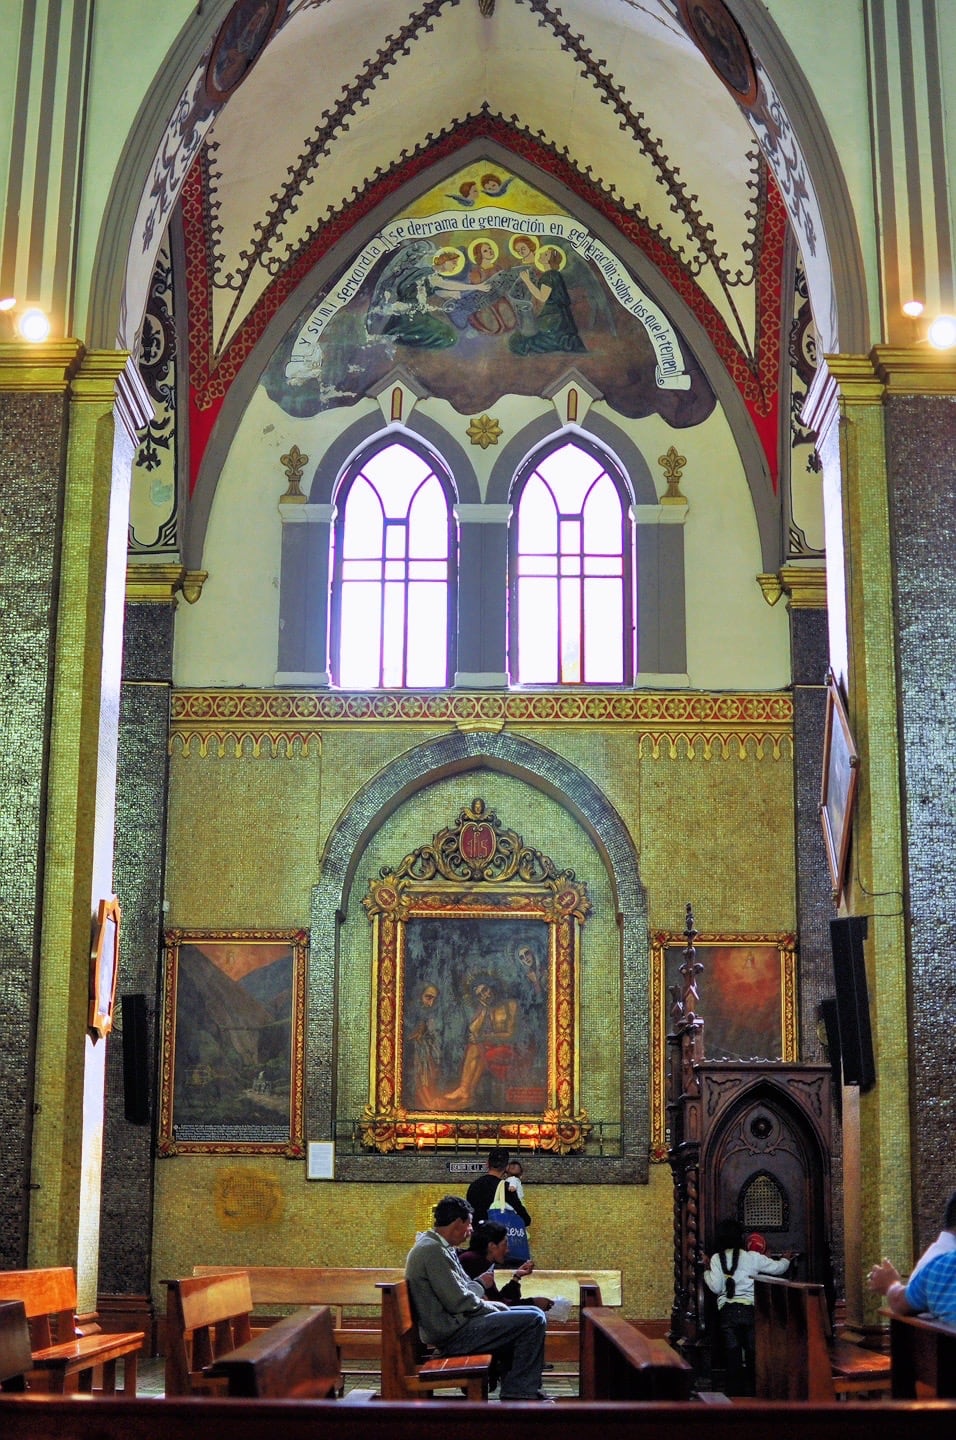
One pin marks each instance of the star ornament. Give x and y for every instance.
(484, 431)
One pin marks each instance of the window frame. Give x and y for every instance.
(618, 476)
(354, 468)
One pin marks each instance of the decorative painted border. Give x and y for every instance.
(669, 723)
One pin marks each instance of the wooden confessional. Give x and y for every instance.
(748, 1140)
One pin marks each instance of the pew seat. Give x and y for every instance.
(619, 1362)
(61, 1359)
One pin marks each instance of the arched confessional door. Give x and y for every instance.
(752, 1142)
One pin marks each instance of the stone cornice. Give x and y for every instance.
(43, 369)
(915, 370)
(805, 585)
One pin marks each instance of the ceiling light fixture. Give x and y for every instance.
(34, 325)
(913, 308)
(942, 333)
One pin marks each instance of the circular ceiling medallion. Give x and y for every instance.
(721, 41)
(243, 35)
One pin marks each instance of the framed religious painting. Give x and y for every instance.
(841, 768)
(232, 1053)
(476, 953)
(104, 966)
(747, 989)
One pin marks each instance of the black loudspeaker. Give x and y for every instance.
(852, 1001)
(135, 1060)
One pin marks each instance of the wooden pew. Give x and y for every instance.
(296, 1359)
(61, 1359)
(618, 1362)
(796, 1356)
(923, 1352)
(16, 1357)
(27, 1417)
(206, 1318)
(405, 1375)
(359, 1337)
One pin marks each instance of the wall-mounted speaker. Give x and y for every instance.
(831, 1028)
(852, 1000)
(135, 1060)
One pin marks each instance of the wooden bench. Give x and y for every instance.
(27, 1417)
(359, 1336)
(207, 1317)
(60, 1359)
(16, 1357)
(618, 1362)
(295, 1359)
(796, 1356)
(923, 1352)
(405, 1374)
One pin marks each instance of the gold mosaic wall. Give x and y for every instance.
(711, 817)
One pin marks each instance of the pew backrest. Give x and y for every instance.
(923, 1352)
(49, 1299)
(796, 1356)
(406, 1373)
(618, 1362)
(206, 1318)
(295, 1359)
(15, 1352)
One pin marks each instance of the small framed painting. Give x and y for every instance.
(104, 966)
(841, 768)
(233, 1031)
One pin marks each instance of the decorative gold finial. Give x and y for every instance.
(295, 462)
(484, 431)
(673, 467)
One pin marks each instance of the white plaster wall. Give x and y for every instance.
(230, 637)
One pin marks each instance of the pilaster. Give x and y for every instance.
(845, 408)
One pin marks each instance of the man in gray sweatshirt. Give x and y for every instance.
(453, 1314)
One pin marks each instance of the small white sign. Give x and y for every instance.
(320, 1160)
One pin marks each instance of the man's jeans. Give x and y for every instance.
(522, 1326)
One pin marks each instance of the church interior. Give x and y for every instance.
(312, 892)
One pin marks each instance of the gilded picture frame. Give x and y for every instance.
(475, 995)
(231, 1078)
(841, 769)
(748, 1003)
(104, 966)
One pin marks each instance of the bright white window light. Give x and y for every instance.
(34, 325)
(942, 333)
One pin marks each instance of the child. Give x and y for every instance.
(514, 1173)
(731, 1278)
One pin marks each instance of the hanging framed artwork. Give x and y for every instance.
(104, 966)
(748, 1003)
(841, 769)
(233, 1032)
(476, 946)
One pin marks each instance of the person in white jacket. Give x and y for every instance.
(730, 1275)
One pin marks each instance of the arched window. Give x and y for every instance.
(571, 619)
(393, 573)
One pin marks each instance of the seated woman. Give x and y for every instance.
(488, 1248)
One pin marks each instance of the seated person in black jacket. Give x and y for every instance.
(488, 1248)
(481, 1192)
